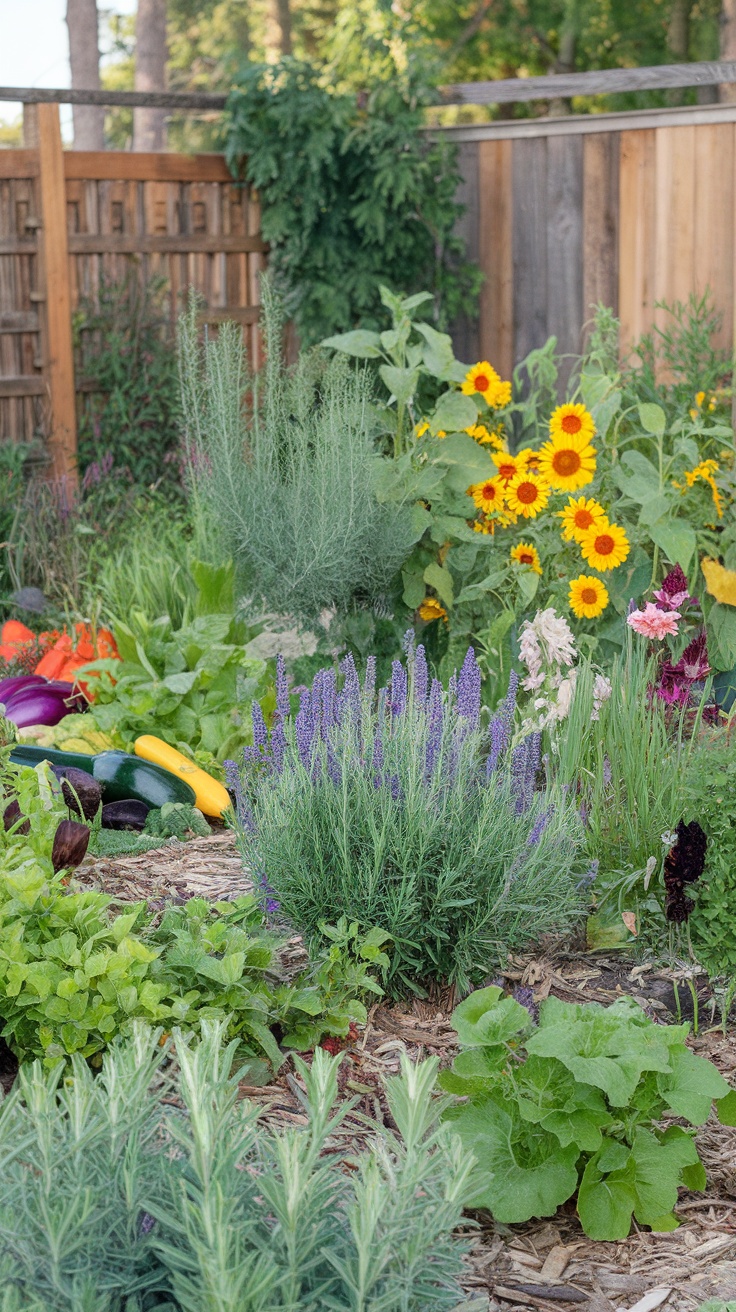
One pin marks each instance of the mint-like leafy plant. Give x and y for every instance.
(574, 1103)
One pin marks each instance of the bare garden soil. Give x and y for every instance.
(548, 1265)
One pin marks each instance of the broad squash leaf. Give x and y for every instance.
(516, 1178)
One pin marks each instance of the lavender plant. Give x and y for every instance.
(399, 810)
(152, 1187)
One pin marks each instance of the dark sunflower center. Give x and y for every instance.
(604, 544)
(589, 596)
(583, 519)
(482, 383)
(527, 493)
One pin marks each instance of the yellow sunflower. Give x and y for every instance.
(480, 379)
(567, 462)
(570, 420)
(588, 596)
(524, 553)
(580, 515)
(498, 395)
(527, 494)
(484, 525)
(482, 435)
(508, 466)
(431, 609)
(605, 547)
(488, 495)
(528, 459)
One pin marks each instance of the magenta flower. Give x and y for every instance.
(651, 622)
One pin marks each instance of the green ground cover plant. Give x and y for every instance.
(154, 1187)
(74, 973)
(711, 886)
(399, 811)
(573, 1103)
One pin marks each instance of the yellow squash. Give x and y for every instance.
(210, 795)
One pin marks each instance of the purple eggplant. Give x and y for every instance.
(15, 682)
(40, 704)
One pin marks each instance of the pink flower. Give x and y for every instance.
(653, 622)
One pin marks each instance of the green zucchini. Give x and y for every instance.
(122, 777)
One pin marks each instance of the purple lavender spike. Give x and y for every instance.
(468, 690)
(398, 688)
(421, 677)
(590, 875)
(235, 785)
(334, 768)
(283, 705)
(369, 682)
(348, 701)
(328, 696)
(524, 765)
(278, 747)
(539, 826)
(407, 645)
(260, 732)
(435, 718)
(305, 729)
(395, 786)
(377, 762)
(508, 708)
(497, 743)
(452, 687)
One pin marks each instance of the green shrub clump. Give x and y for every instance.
(154, 1186)
(399, 811)
(710, 800)
(573, 1104)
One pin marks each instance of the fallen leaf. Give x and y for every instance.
(629, 919)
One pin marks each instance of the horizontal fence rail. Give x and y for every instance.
(598, 82)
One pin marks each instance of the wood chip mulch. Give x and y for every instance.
(547, 1265)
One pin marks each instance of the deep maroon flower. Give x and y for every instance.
(676, 681)
(694, 662)
(684, 864)
(673, 594)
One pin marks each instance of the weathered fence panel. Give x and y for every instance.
(69, 219)
(629, 209)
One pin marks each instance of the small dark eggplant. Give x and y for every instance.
(78, 782)
(130, 814)
(71, 841)
(12, 814)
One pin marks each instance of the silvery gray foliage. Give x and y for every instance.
(153, 1187)
(284, 465)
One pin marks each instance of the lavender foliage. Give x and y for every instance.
(397, 808)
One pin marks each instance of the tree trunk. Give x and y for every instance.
(149, 125)
(565, 62)
(727, 90)
(84, 57)
(278, 29)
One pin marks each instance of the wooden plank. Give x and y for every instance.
(18, 163)
(120, 243)
(714, 245)
(636, 237)
(601, 81)
(18, 321)
(564, 223)
(675, 216)
(143, 166)
(55, 257)
(496, 255)
(18, 246)
(23, 385)
(465, 330)
(600, 222)
(529, 170)
(589, 124)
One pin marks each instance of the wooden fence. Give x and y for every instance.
(70, 218)
(629, 209)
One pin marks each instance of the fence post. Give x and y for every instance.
(54, 258)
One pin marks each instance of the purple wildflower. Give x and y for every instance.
(278, 747)
(525, 998)
(468, 690)
(395, 785)
(327, 699)
(524, 765)
(377, 762)
(421, 677)
(348, 701)
(334, 769)
(398, 688)
(283, 704)
(146, 1224)
(452, 687)
(407, 645)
